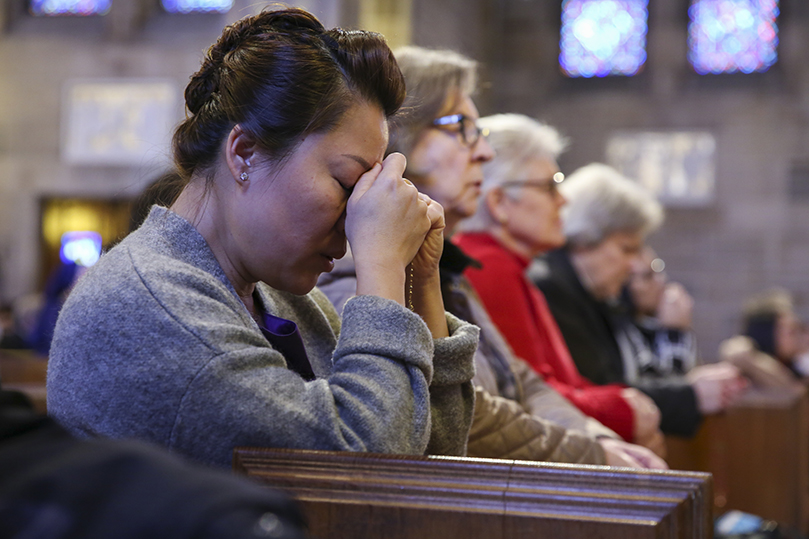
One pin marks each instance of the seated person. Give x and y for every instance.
(661, 311)
(10, 336)
(446, 151)
(518, 217)
(768, 350)
(606, 222)
(201, 330)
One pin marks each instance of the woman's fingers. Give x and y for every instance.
(386, 217)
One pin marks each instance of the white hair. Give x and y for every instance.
(515, 139)
(601, 201)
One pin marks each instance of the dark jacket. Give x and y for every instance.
(589, 327)
(53, 485)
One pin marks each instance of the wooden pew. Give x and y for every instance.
(25, 371)
(349, 495)
(758, 453)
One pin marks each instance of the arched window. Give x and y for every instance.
(603, 37)
(730, 36)
(197, 6)
(49, 8)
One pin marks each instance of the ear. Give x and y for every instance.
(240, 149)
(497, 203)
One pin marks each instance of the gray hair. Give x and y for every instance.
(432, 78)
(516, 139)
(601, 202)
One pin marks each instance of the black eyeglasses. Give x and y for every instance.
(467, 127)
(550, 186)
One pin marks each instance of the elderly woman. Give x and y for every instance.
(517, 220)
(607, 220)
(446, 152)
(201, 331)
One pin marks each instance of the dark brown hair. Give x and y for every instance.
(281, 76)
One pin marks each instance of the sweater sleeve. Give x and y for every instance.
(169, 354)
(451, 392)
(502, 429)
(452, 396)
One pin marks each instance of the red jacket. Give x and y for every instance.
(520, 311)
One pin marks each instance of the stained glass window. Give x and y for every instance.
(196, 6)
(48, 8)
(727, 36)
(603, 37)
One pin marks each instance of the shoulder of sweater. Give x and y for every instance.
(135, 273)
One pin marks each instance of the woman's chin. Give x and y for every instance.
(299, 286)
(550, 244)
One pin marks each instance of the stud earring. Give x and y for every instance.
(243, 176)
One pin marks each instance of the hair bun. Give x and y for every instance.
(292, 20)
(204, 83)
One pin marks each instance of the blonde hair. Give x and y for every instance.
(432, 77)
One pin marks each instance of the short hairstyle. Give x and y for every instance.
(433, 78)
(760, 316)
(601, 202)
(515, 139)
(281, 76)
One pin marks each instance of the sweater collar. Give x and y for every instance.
(183, 241)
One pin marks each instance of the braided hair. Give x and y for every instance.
(281, 76)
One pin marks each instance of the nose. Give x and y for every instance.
(341, 224)
(482, 151)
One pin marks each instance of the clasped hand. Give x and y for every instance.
(389, 225)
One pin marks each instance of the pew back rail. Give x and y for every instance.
(394, 496)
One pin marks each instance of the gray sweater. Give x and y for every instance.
(154, 343)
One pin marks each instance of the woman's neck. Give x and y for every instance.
(196, 205)
(501, 234)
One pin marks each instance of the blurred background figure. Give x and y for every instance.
(10, 337)
(606, 223)
(517, 414)
(517, 219)
(59, 285)
(769, 319)
(771, 349)
(661, 310)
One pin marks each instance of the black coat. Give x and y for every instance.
(588, 326)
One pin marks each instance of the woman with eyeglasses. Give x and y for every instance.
(517, 415)
(519, 218)
(202, 330)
